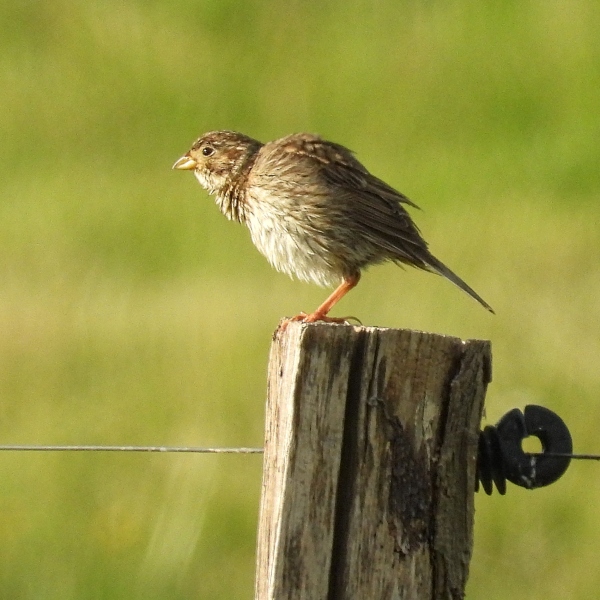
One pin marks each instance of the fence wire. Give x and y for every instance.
(91, 448)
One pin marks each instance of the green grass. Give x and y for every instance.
(132, 312)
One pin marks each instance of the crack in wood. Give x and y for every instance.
(348, 467)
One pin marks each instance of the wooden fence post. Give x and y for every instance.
(369, 466)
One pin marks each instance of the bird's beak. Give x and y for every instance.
(185, 163)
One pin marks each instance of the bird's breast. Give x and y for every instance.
(281, 230)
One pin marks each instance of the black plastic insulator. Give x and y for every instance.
(501, 457)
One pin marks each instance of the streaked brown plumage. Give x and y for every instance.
(312, 209)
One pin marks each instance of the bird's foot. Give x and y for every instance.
(317, 316)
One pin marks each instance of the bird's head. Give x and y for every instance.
(218, 157)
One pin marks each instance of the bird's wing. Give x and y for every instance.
(378, 208)
(333, 177)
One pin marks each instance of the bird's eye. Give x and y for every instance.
(207, 150)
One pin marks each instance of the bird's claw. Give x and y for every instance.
(351, 318)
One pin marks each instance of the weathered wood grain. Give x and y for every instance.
(369, 466)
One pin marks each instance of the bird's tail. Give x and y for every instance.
(440, 268)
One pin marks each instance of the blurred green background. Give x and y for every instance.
(132, 312)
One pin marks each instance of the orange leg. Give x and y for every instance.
(321, 313)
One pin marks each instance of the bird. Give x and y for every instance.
(313, 210)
